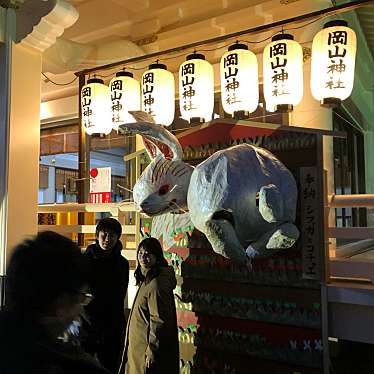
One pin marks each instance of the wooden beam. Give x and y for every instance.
(351, 201)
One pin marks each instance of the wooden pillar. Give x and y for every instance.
(6, 18)
(83, 164)
(19, 141)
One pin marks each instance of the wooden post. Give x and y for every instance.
(137, 214)
(83, 165)
(324, 261)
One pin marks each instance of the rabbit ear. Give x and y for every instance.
(157, 140)
(141, 116)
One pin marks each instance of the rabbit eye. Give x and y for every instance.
(163, 189)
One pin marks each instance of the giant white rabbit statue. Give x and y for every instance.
(242, 198)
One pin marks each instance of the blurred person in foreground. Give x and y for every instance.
(46, 289)
(151, 344)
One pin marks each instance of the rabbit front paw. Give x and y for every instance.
(224, 241)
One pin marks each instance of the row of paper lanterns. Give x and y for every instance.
(332, 75)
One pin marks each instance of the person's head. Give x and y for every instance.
(149, 255)
(108, 232)
(47, 277)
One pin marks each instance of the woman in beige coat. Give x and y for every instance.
(151, 344)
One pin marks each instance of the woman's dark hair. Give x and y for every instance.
(41, 270)
(151, 245)
(109, 224)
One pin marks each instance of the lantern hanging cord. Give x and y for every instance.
(286, 29)
(218, 48)
(58, 84)
(260, 41)
(283, 29)
(139, 68)
(102, 75)
(306, 24)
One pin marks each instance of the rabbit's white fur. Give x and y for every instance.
(242, 198)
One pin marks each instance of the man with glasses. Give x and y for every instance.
(46, 288)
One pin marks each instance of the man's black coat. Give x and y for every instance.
(106, 311)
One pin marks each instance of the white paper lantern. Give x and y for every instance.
(125, 95)
(239, 81)
(196, 89)
(96, 107)
(333, 63)
(158, 94)
(283, 73)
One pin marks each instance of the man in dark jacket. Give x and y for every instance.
(109, 288)
(46, 287)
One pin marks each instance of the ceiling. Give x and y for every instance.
(139, 19)
(114, 30)
(366, 17)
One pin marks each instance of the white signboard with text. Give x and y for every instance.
(100, 185)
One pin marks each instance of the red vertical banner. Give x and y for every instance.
(100, 197)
